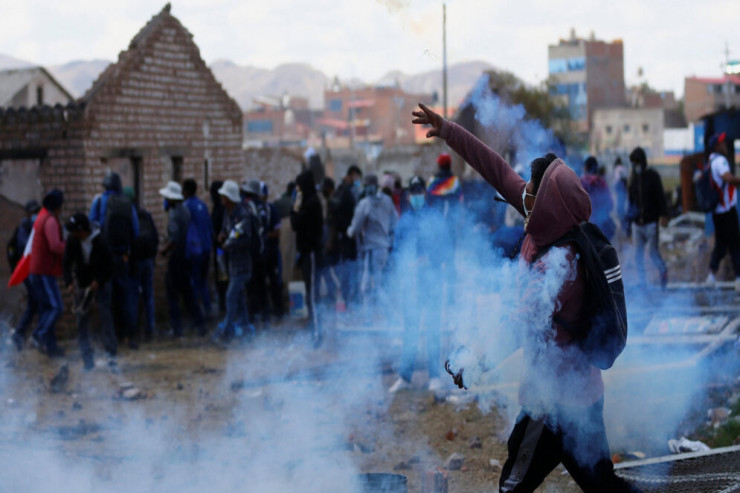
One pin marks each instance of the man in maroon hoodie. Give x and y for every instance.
(47, 252)
(561, 394)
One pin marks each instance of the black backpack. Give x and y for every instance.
(602, 332)
(707, 192)
(147, 243)
(118, 225)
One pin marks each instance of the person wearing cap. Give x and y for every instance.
(724, 216)
(178, 265)
(416, 260)
(200, 239)
(601, 197)
(647, 207)
(47, 252)
(115, 214)
(31, 208)
(307, 220)
(239, 238)
(88, 268)
(373, 226)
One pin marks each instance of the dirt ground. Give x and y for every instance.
(192, 384)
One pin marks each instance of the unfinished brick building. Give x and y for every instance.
(157, 114)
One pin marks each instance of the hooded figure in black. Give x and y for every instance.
(307, 221)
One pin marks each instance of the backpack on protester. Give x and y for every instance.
(12, 250)
(118, 225)
(706, 190)
(602, 331)
(147, 243)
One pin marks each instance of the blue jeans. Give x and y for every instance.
(236, 304)
(32, 308)
(145, 286)
(49, 298)
(199, 278)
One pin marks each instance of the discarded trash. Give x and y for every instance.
(59, 381)
(128, 392)
(450, 435)
(683, 445)
(454, 462)
(718, 415)
(475, 443)
(434, 481)
(495, 464)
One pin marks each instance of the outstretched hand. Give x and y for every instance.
(428, 117)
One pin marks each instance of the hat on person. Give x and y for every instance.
(112, 181)
(129, 192)
(264, 190)
(32, 206)
(591, 165)
(54, 199)
(371, 180)
(78, 222)
(417, 185)
(251, 187)
(230, 190)
(716, 139)
(444, 160)
(173, 191)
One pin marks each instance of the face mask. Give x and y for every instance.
(357, 184)
(527, 212)
(166, 204)
(371, 190)
(416, 200)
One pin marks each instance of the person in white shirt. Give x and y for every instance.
(726, 228)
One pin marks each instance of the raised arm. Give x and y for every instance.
(491, 166)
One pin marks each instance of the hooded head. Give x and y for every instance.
(560, 204)
(638, 158)
(53, 200)
(112, 181)
(591, 165)
(306, 183)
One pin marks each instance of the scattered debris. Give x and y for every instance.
(718, 415)
(475, 442)
(434, 481)
(128, 392)
(495, 464)
(450, 435)
(454, 462)
(59, 381)
(402, 466)
(76, 406)
(683, 445)
(81, 429)
(179, 386)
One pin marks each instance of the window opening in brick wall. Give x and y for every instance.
(176, 168)
(40, 95)
(136, 168)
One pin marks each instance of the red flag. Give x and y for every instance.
(24, 265)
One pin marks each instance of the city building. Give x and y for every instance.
(285, 121)
(157, 114)
(587, 75)
(706, 95)
(33, 86)
(619, 130)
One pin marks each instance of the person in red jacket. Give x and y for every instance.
(561, 393)
(47, 253)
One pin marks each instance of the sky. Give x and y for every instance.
(366, 39)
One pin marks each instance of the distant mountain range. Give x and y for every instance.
(244, 83)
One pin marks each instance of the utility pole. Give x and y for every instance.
(444, 60)
(727, 76)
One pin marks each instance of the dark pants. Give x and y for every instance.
(32, 308)
(107, 331)
(347, 268)
(199, 277)
(726, 237)
(179, 286)
(575, 437)
(49, 299)
(222, 278)
(310, 264)
(275, 282)
(145, 288)
(124, 286)
(259, 306)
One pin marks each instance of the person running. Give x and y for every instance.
(32, 305)
(561, 394)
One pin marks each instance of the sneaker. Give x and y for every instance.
(399, 384)
(37, 343)
(435, 384)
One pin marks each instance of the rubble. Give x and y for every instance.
(475, 442)
(683, 445)
(495, 464)
(454, 462)
(717, 416)
(127, 391)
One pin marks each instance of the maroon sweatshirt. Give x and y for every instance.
(556, 371)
